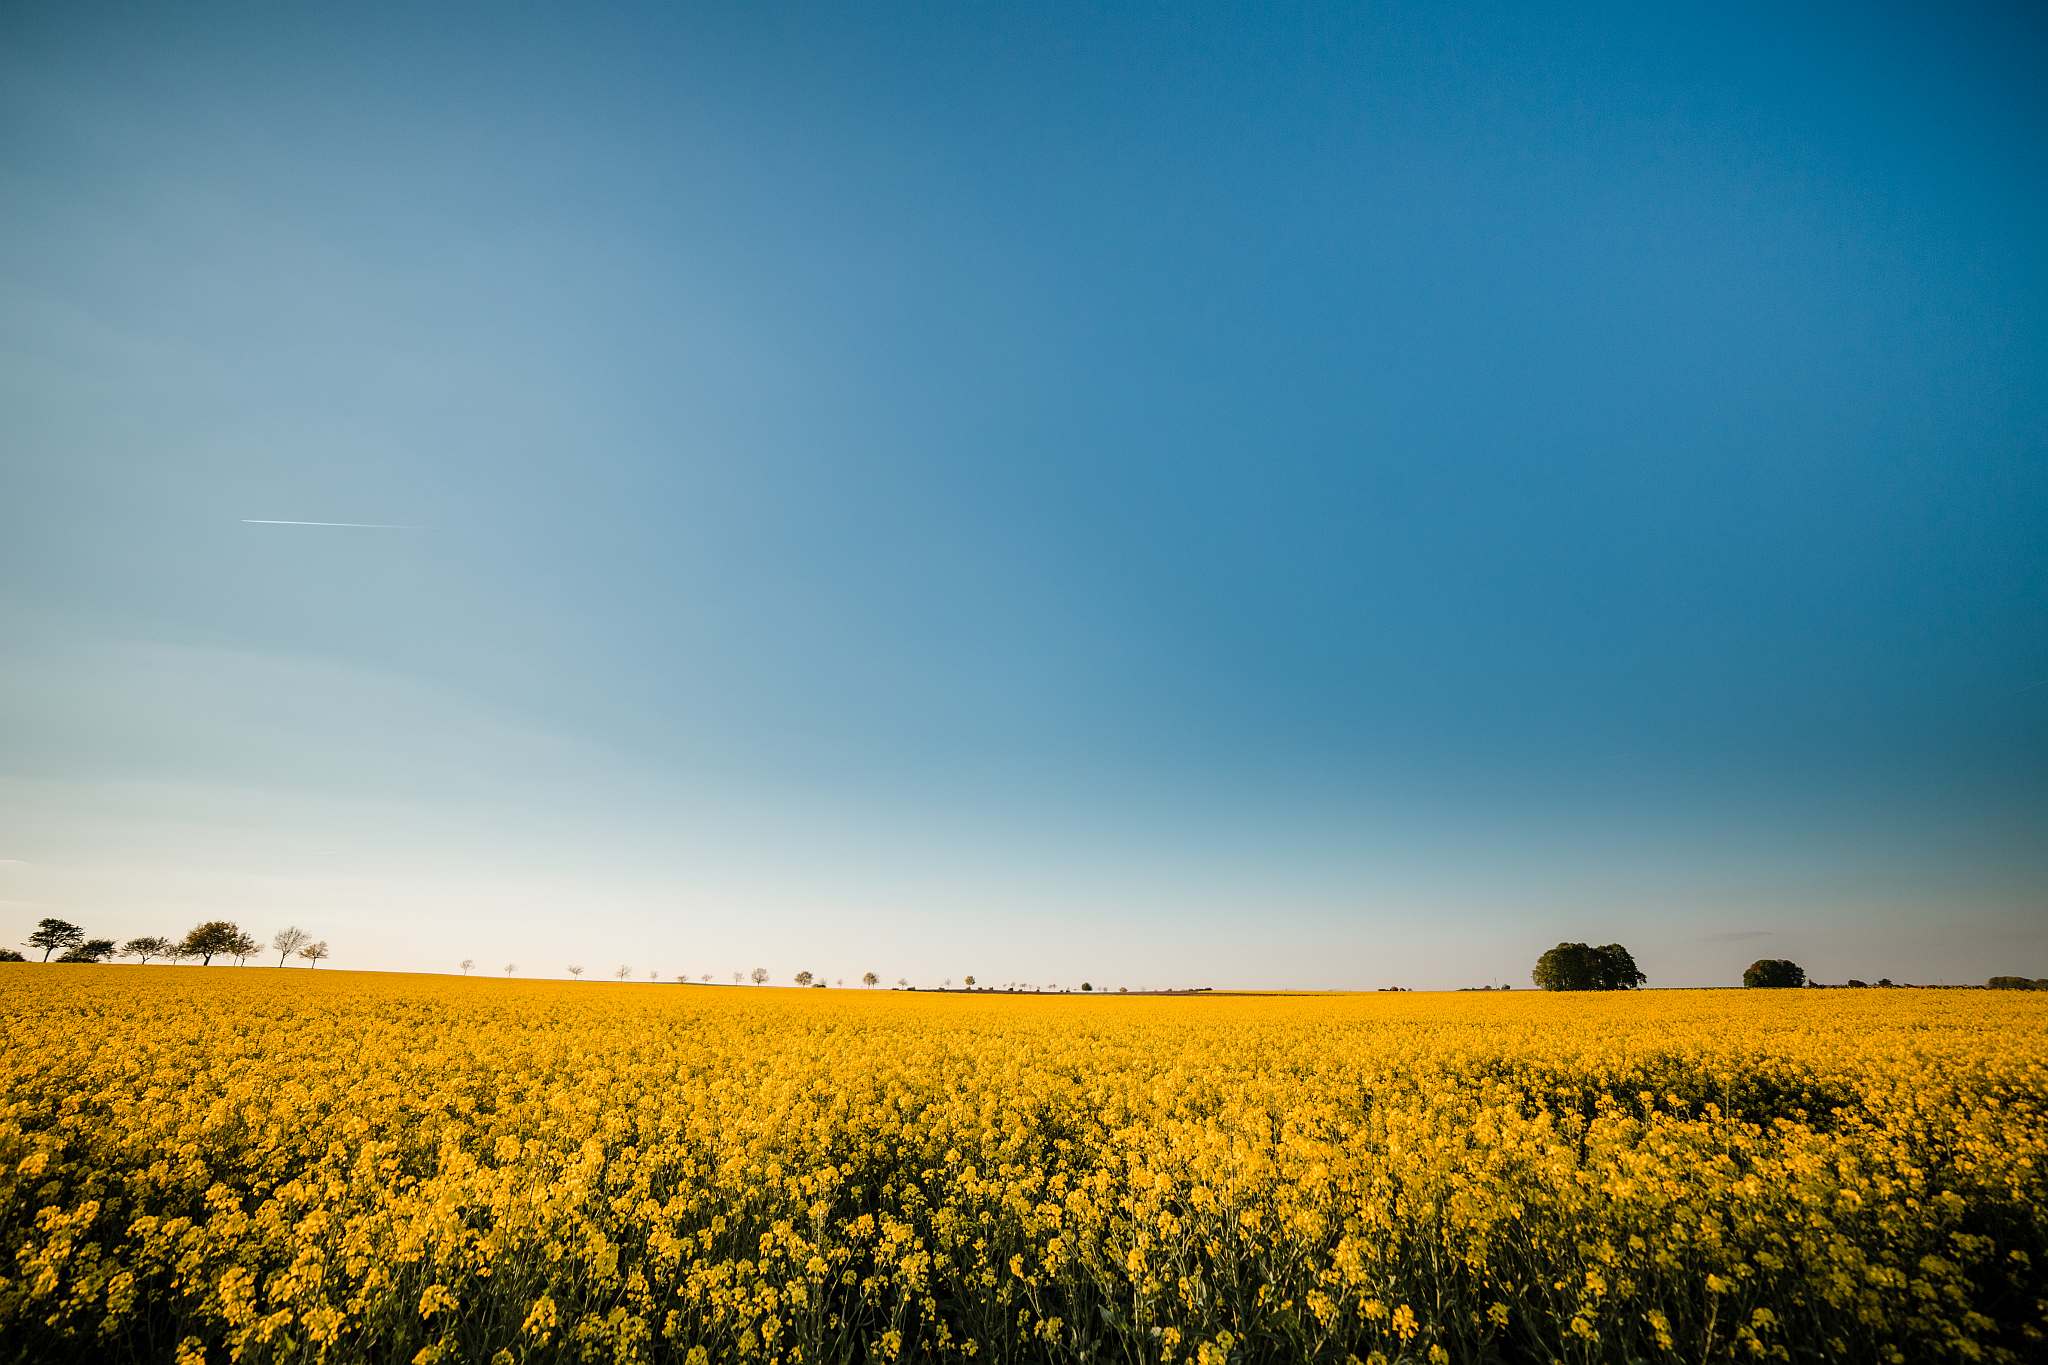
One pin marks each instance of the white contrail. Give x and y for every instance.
(353, 525)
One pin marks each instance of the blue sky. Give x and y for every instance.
(1316, 497)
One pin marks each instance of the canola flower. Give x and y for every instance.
(208, 1165)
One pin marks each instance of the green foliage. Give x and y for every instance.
(2016, 983)
(92, 950)
(52, 934)
(149, 946)
(1578, 967)
(214, 937)
(1774, 972)
(9, 955)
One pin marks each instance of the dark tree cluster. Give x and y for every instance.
(1577, 967)
(215, 938)
(1773, 971)
(2017, 983)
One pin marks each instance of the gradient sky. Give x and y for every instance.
(1154, 495)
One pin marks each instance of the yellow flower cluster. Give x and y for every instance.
(227, 1165)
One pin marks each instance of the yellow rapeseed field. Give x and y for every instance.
(261, 1165)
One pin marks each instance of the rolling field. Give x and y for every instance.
(260, 1165)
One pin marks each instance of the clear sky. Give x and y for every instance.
(1216, 494)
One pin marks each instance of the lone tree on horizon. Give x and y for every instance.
(759, 975)
(1773, 972)
(575, 971)
(803, 978)
(623, 972)
(467, 963)
(208, 940)
(147, 947)
(52, 934)
(1576, 967)
(313, 952)
(289, 941)
(870, 979)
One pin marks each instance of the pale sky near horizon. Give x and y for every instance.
(1323, 497)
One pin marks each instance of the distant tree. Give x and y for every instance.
(288, 941)
(839, 981)
(245, 947)
(576, 969)
(52, 934)
(1087, 986)
(467, 963)
(903, 983)
(738, 977)
(653, 975)
(511, 967)
(947, 984)
(803, 978)
(1853, 984)
(1884, 981)
(2016, 983)
(9, 955)
(968, 982)
(147, 947)
(92, 950)
(314, 952)
(869, 979)
(706, 978)
(1773, 972)
(209, 940)
(759, 976)
(623, 972)
(1577, 967)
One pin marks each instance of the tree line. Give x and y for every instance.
(205, 942)
(1578, 967)
(761, 976)
(1567, 967)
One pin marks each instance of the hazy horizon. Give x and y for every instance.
(1326, 500)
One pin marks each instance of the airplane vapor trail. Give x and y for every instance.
(354, 525)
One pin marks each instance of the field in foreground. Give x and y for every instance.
(260, 1165)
